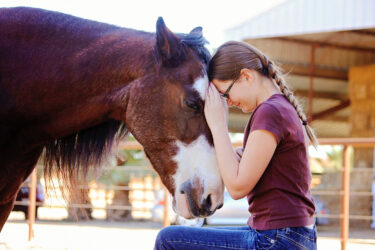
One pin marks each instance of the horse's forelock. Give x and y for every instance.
(197, 42)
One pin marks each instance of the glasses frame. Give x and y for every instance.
(226, 93)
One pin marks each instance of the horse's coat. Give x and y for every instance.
(74, 87)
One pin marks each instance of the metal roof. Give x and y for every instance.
(295, 17)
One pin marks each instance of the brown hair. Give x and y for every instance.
(233, 56)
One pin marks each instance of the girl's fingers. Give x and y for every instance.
(208, 94)
(217, 93)
(208, 88)
(213, 95)
(213, 92)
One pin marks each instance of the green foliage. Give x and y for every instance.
(335, 159)
(120, 175)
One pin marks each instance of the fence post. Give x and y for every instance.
(166, 221)
(32, 199)
(345, 186)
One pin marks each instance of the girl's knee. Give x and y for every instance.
(164, 235)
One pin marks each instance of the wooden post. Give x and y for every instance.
(166, 221)
(345, 189)
(32, 205)
(311, 89)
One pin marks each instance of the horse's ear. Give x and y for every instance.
(197, 31)
(168, 44)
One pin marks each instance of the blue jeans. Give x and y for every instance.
(183, 237)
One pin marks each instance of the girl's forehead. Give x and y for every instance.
(218, 82)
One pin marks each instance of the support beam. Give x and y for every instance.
(334, 118)
(311, 78)
(325, 44)
(166, 221)
(321, 94)
(32, 204)
(345, 185)
(361, 32)
(332, 110)
(304, 70)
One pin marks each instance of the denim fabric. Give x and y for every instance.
(183, 237)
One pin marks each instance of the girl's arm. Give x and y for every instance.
(239, 177)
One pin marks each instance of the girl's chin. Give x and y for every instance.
(246, 110)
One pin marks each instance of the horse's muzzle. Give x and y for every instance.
(199, 204)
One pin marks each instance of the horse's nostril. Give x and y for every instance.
(220, 206)
(182, 192)
(209, 201)
(206, 204)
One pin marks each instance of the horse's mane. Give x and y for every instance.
(72, 156)
(196, 41)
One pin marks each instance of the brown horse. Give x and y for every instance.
(74, 87)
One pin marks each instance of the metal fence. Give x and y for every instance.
(343, 192)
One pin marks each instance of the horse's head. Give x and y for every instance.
(165, 112)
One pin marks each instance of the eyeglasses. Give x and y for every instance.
(226, 93)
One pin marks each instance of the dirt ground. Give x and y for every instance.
(139, 235)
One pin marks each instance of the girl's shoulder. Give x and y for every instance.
(281, 106)
(273, 106)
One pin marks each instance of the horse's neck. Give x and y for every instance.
(102, 72)
(71, 88)
(123, 54)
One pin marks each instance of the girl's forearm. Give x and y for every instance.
(227, 159)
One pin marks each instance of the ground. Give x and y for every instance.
(100, 234)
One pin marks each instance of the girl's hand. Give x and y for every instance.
(215, 109)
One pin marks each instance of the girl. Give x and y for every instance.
(272, 169)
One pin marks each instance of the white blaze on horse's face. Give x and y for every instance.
(201, 85)
(197, 166)
(199, 186)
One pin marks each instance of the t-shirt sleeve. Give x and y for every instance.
(268, 118)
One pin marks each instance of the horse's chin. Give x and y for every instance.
(181, 206)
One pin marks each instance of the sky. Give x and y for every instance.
(180, 16)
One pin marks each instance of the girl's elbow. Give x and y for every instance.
(236, 195)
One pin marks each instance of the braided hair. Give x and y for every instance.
(233, 56)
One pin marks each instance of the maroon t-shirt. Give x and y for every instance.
(281, 198)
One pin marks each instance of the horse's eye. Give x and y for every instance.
(192, 105)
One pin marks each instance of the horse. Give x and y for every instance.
(72, 88)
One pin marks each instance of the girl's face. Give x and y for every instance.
(241, 95)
